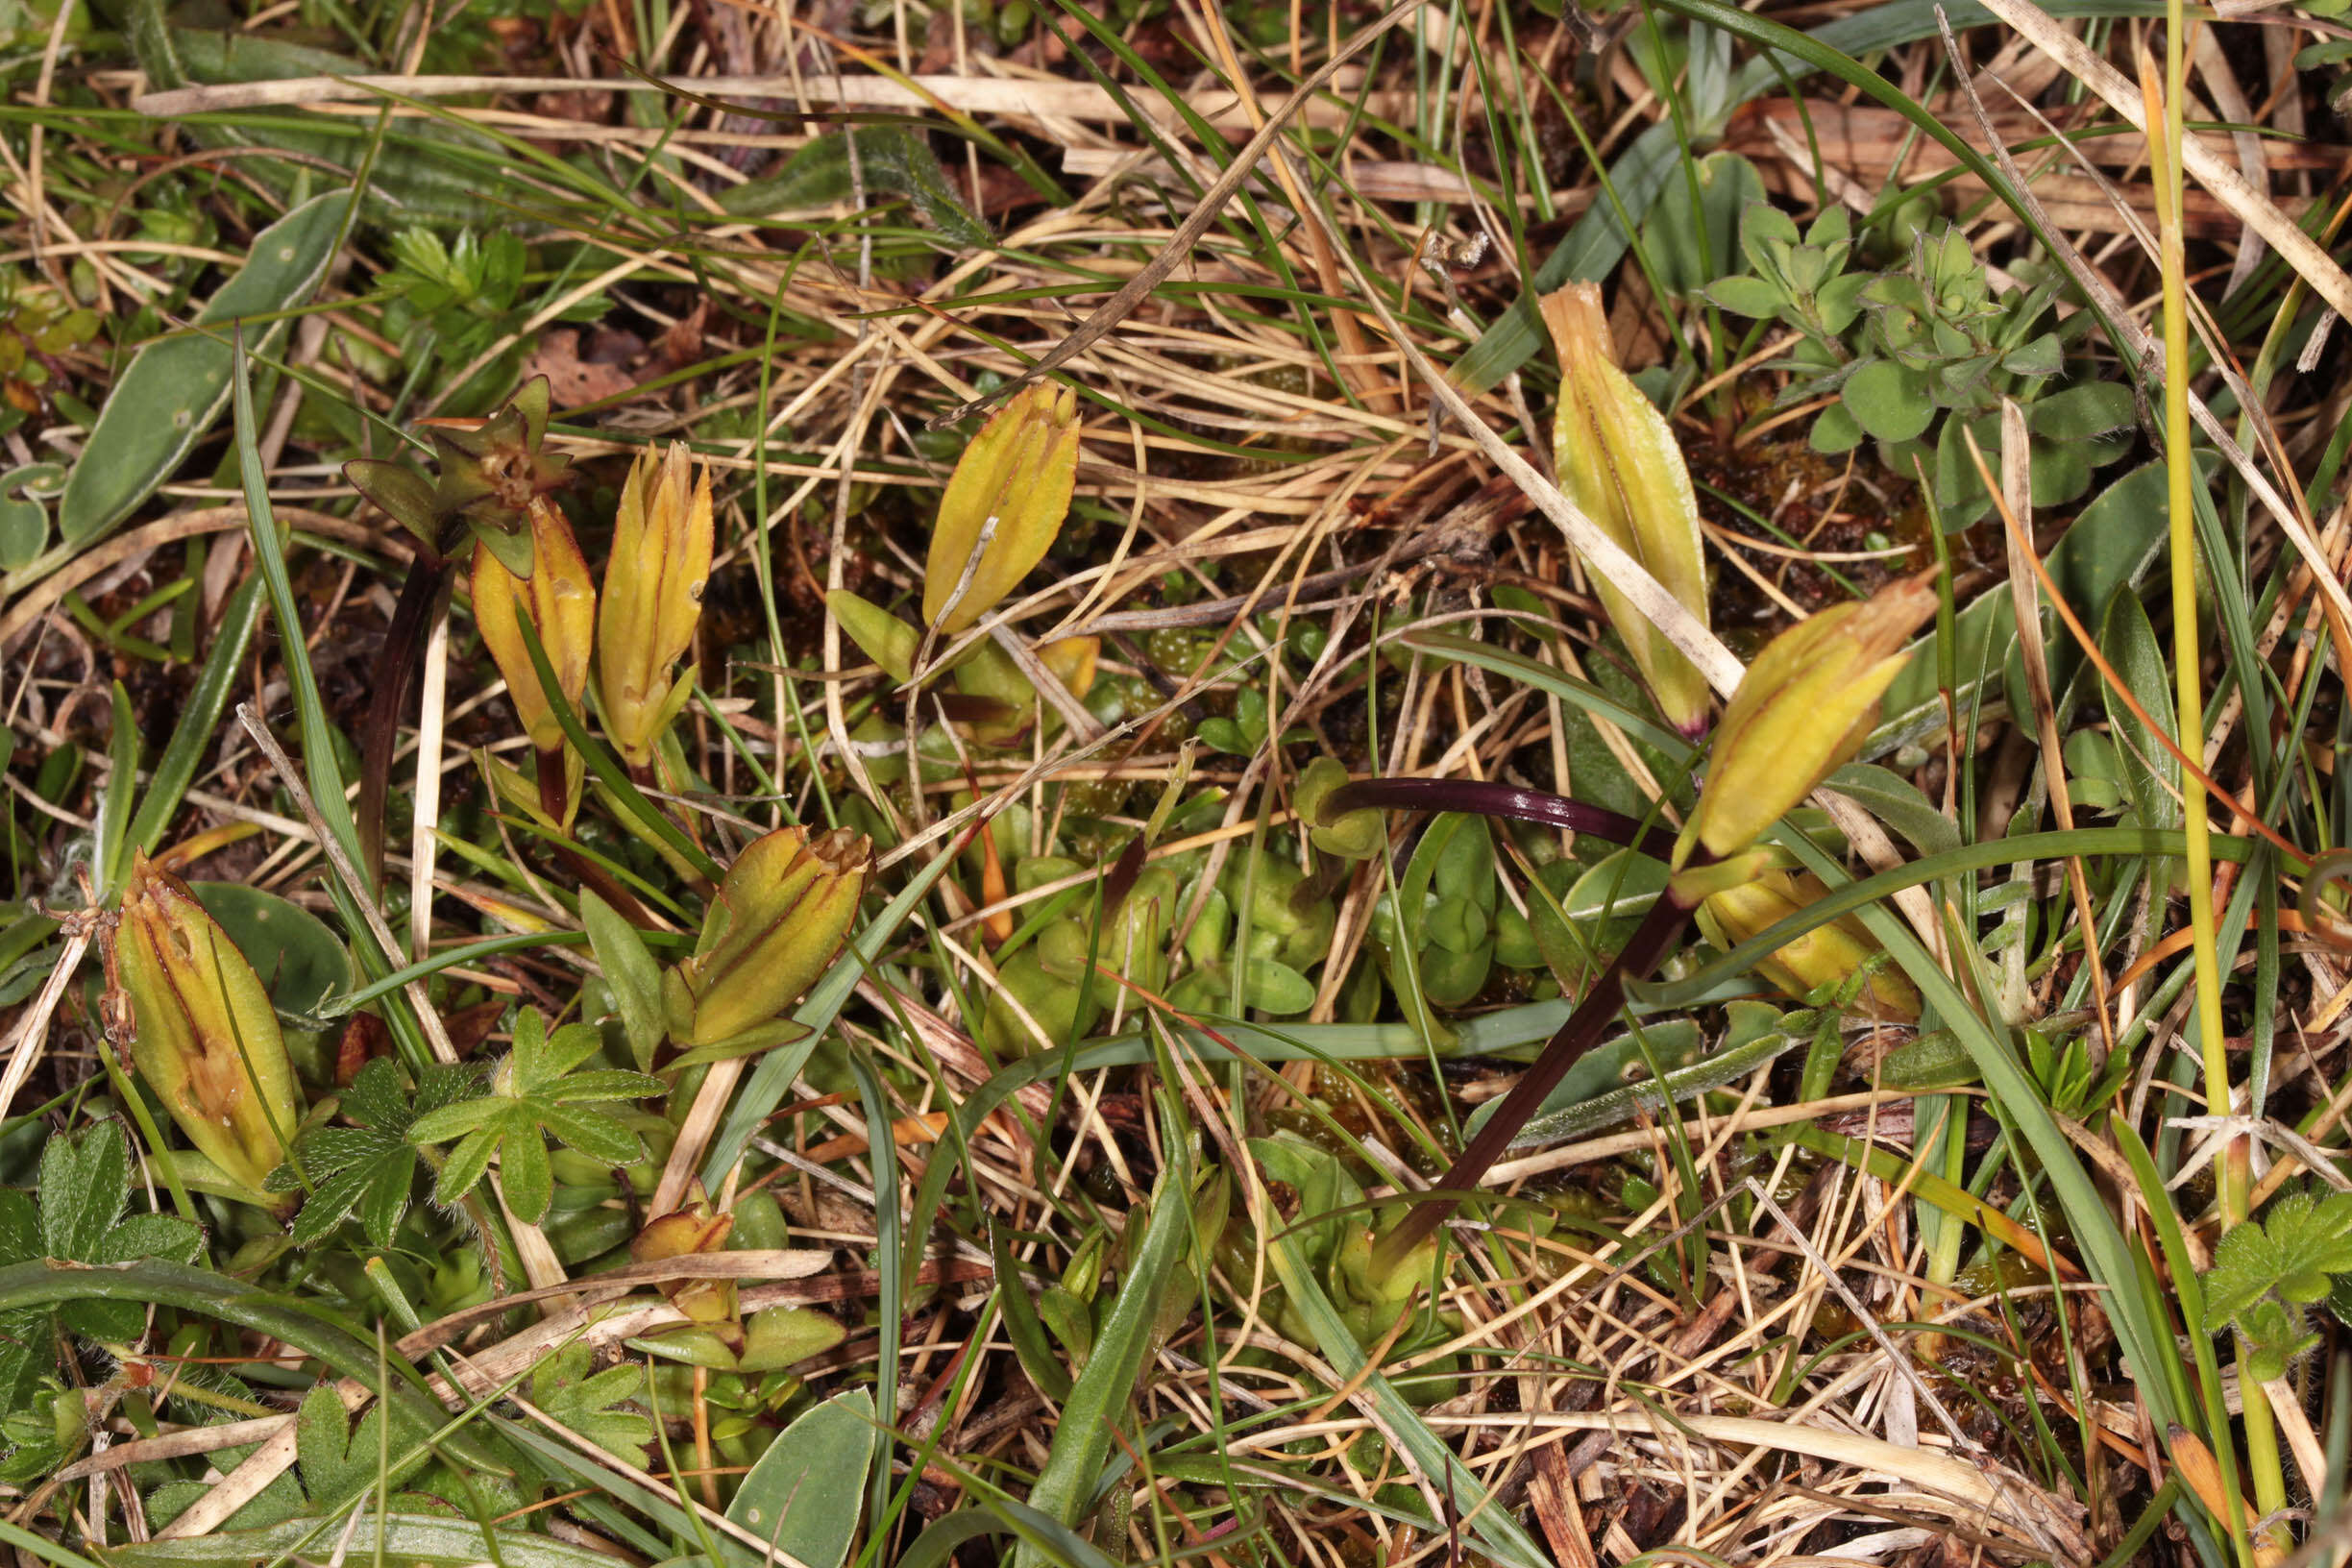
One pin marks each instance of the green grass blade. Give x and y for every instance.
(1098, 1401)
(192, 736)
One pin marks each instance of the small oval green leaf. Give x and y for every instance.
(174, 389)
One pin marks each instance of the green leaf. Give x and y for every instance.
(1024, 1322)
(2039, 357)
(1222, 734)
(370, 1168)
(302, 962)
(200, 717)
(2060, 470)
(512, 548)
(783, 1336)
(1898, 802)
(401, 492)
(1102, 1395)
(2084, 412)
(24, 512)
(1836, 431)
(339, 1462)
(110, 849)
(534, 1092)
(891, 160)
(2314, 1237)
(407, 1538)
(25, 1347)
(1840, 301)
(1276, 986)
(2274, 1335)
(464, 1167)
(1327, 1194)
(1745, 296)
(1673, 236)
(2128, 639)
(1072, 1321)
(586, 1402)
(1888, 401)
(167, 399)
(1688, 1074)
(802, 1497)
(630, 971)
(528, 1180)
(85, 1188)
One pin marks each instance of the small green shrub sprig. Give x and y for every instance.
(1921, 355)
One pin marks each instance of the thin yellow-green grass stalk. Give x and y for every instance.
(2164, 155)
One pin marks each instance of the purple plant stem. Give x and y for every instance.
(395, 676)
(1651, 941)
(1490, 799)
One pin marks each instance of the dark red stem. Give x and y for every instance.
(1490, 799)
(1652, 941)
(396, 673)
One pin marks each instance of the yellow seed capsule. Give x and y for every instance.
(661, 557)
(204, 1036)
(1618, 460)
(1827, 955)
(1804, 709)
(777, 920)
(560, 599)
(696, 1228)
(1004, 504)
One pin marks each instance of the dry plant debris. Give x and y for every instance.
(1132, 780)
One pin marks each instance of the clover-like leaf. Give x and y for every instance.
(340, 1462)
(85, 1188)
(2245, 1264)
(2262, 1273)
(2314, 1237)
(585, 1401)
(369, 1168)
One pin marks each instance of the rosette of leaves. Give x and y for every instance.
(1259, 933)
(541, 1090)
(1441, 920)
(465, 294)
(2265, 1273)
(484, 482)
(1921, 356)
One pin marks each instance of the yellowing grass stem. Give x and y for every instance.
(2164, 155)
